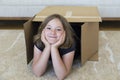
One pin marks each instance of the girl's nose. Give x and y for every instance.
(53, 31)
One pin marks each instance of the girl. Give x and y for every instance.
(55, 41)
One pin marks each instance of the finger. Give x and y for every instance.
(43, 36)
(64, 36)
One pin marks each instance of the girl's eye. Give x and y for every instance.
(48, 28)
(58, 29)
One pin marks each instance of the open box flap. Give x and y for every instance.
(28, 30)
(89, 41)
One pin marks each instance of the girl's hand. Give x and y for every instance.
(46, 43)
(60, 42)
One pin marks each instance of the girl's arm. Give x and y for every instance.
(62, 65)
(40, 60)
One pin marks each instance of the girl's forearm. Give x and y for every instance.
(40, 66)
(58, 64)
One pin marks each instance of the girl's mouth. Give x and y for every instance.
(52, 37)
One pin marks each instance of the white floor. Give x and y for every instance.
(13, 59)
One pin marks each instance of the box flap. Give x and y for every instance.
(71, 13)
(89, 41)
(28, 31)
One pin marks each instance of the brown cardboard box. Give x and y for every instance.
(85, 21)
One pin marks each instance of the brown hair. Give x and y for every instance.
(69, 39)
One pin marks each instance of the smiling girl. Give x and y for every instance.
(55, 41)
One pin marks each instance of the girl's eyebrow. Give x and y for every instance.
(57, 26)
(48, 25)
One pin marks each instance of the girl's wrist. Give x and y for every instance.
(54, 47)
(47, 46)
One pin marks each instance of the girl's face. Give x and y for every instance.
(53, 31)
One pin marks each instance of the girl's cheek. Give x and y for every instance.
(45, 34)
(60, 35)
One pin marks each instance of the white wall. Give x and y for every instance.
(28, 8)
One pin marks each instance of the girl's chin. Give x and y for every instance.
(52, 42)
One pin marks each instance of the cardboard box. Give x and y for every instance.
(85, 21)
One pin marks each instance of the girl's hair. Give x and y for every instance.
(70, 34)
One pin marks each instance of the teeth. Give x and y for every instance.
(52, 37)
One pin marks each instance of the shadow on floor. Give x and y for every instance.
(11, 24)
(110, 25)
